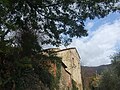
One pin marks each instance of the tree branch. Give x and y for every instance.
(3, 35)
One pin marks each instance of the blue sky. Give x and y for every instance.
(103, 40)
(98, 22)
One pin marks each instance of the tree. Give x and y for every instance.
(116, 63)
(111, 77)
(27, 25)
(51, 20)
(109, 80)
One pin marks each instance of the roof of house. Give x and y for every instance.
(68, 49)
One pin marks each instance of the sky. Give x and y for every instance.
(102, 42)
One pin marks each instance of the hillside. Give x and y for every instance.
(97, 69)
(89, 72)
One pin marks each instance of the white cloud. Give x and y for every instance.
(89, 25)
(99, 45)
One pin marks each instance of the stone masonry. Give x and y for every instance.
(71, 69)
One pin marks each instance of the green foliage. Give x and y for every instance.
(17, 71)
(95, 81)
(111, 77)
(74, 87)
(48, 78)
(55, 82)
(27, 25)
(116, 63)
(53, 22)
(109, 80)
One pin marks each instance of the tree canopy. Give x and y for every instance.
(53, 21)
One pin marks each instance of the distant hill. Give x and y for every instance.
(89, 72)
(97, 69)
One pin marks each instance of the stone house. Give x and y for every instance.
(70, 69)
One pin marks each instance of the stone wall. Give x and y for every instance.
(71, 59)
(65, 80)
(70, 69)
